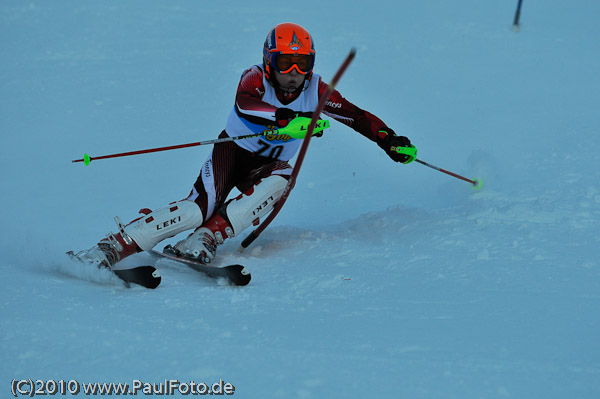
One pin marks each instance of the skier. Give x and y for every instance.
(268, 95)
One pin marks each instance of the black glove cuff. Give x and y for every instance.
(384, 135)
(283, 116)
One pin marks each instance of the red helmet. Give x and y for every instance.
(289, 46)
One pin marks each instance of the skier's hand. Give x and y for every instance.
(398, 148)
(283, 116)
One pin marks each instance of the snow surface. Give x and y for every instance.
(376, 279)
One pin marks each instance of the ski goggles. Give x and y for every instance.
(284, 63)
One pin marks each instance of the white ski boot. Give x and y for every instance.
(232, 219)
(143, 233)
(108, 251)
(201, 245)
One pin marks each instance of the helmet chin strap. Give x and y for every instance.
(288, 90)
(300, 88)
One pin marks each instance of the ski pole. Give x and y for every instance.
(476, 183)
(296, 129)
(517, 15)
(411, 153)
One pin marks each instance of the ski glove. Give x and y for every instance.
(283, 116)
(398, 148)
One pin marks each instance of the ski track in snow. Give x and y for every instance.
(377, 279)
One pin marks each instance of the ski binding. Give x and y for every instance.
(237, 274)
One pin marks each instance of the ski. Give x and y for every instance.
(237, 274)
(146, 276)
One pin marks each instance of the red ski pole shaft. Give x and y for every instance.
(87, 159)
(126, 154)
(472, 181)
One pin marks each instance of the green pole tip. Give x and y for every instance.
(477, 185)
(86, 159)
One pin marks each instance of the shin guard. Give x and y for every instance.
(255, 204)
(164, 223)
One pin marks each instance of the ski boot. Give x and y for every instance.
(110, 250)
(201, 245)
(233, 218)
